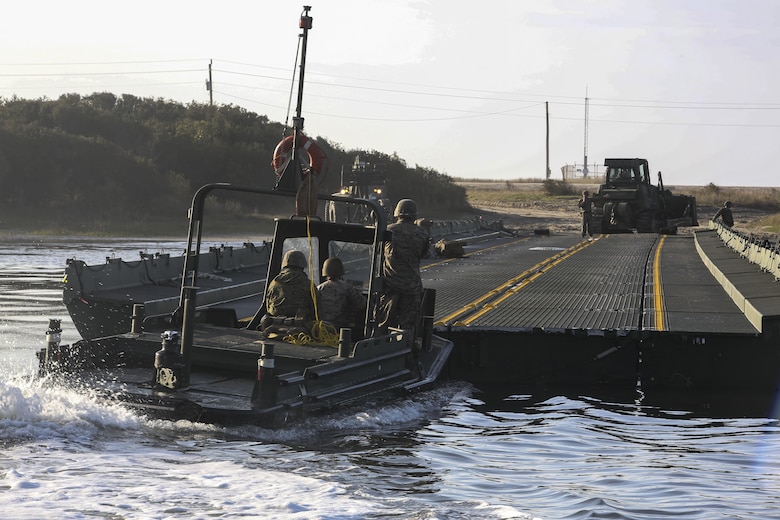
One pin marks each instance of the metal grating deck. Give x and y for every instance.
(561, 283)
(599, 287)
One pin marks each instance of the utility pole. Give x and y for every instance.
(208, 86)
(585, 160)
(547, 118)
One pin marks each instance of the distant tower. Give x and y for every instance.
(585, 160)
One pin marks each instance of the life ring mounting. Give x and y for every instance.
(318, 161)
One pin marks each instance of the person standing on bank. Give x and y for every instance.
(725, 214)
(400, 303)
(585, 204)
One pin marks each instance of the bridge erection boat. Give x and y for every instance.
(201, 362)
(205, 367)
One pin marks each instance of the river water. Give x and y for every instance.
(456, 452)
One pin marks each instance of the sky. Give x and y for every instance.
(465, 88)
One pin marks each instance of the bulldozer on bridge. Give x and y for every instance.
(628, 202)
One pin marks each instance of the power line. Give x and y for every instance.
(575, 99)
(488, 94)
(77, 74)
(73, 64)
(157, 84)
(464, 113)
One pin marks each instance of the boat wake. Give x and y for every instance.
(347, 425)
(32, 409)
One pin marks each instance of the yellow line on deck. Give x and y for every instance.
(658, 292)
(510, 287)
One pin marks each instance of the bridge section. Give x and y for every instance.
(617, 284)
(616, 311)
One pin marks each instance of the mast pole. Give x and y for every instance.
(305, 24)
(287, 180)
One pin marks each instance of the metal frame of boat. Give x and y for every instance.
(230, 373)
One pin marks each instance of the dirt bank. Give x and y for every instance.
(563, 215)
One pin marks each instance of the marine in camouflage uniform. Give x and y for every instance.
(339, 302)
(725, 214)
(400, 303)
(289, 293)
(586, 206)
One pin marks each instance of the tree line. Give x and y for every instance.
(112, 158)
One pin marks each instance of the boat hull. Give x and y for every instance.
(224, 386)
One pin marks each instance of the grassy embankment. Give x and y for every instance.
(524, 190)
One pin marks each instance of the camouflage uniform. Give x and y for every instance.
(400, 303)
(725, 214)
(340, 303)
(289, 294)
(585, 204)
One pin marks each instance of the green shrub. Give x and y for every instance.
(556, 188)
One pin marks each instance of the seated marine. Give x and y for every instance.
(289, 294)
(339, 302)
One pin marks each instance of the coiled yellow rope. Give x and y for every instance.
(322, 333)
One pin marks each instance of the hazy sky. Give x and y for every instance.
(691, 85)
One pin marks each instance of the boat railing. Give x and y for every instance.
(207, 297)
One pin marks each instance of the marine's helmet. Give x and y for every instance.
(406, 208)
(294, 258)
(727, 203)
(333, 268)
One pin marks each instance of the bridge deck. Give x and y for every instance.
(616, 285)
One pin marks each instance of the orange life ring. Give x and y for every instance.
(318, 161)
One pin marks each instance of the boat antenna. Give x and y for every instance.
(287, 180)
(292, 87)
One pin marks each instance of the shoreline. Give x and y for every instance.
(557, 214)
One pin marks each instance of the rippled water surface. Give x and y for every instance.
(455, 452)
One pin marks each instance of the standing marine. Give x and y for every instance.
(400, 303)
(585, 204)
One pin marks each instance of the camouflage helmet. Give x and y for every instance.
(333, 268)
(294, 258)
(727, 203)
(406, 208)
